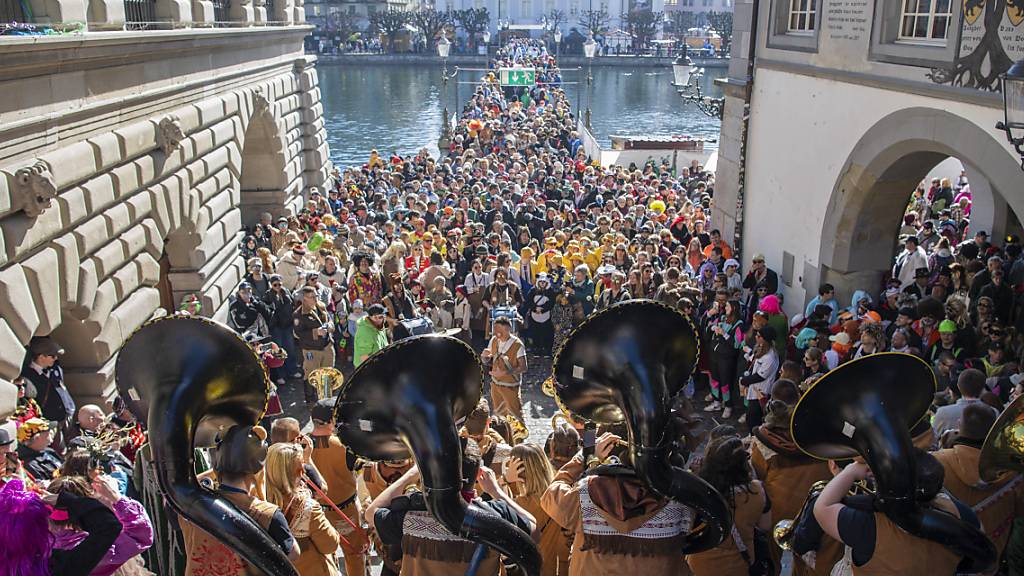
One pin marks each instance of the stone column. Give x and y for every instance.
(300, 12)
(260, 12)
(284, 12)
(106, 14)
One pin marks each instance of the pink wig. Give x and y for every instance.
(770, 305)
(24, 533)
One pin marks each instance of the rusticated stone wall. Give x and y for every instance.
(127, 172)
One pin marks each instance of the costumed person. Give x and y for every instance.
(997, 503)
(286, 489)
(506, 355)
(619, 525)
(43, 370)
(240, 454)
(726, 467)
(428, 548)
(539, 302)
(26, 541)
(877, 544)
(136, 534)
(314, 331)
(39, 460)
(338, 467)
(528, 475)
(788, 473)
(377, 476)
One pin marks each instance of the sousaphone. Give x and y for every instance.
(409, 399)
(627, 363)
(1004, 446)
(187, 378)
(867, 407)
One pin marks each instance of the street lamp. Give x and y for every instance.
(1013, 108)
(687, 83)
(487, 37)
(558, 41)
(444, 48)
(589, 50)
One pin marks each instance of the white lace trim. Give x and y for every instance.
(672, 520)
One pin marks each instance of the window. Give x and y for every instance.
(915, 32)
(706, 2)
(801, 16)
(527, 9)
(352, 10)
(549, 5)
(925, 20)
(574, 8)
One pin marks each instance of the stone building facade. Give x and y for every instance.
(836, 110)
(129, 162)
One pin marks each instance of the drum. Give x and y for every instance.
(413, 327)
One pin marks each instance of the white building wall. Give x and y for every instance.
(797, 152)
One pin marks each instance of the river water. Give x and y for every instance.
(398, 107)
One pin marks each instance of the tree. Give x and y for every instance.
(431, 23)
(473, 21)
(594, 22)
(722, 23)
(642, 23)
(389, 22)
(679, 22)
(555, 18)
(343, 23)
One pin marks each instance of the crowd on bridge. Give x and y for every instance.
(509, 241)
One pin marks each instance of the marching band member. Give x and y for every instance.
(428, 548)
(787, 472)
(996, 503)
(619, 525)
(338, 467)
(878, 545)
(240, 455)
(528, 475)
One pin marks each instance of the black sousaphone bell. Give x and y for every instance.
(187, 378)
(627, 363)
(410, 398)
(867, 407)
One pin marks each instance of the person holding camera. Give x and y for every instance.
(314, 331)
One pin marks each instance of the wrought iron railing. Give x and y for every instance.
(139, 14)
(11, 11)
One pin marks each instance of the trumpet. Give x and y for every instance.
(782, 533)
(110, 436)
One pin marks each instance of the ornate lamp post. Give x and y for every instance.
(558, 41)
(1013, 108)
(444, 47)
(589, 50)
(487, 39)
(687, 83)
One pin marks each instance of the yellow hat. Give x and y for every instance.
(30, 428)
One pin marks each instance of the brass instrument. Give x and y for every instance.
(327, 381)
(110, 436)
(782, 533)
(561, 419)
(867, 407)
(1004, 446)
(188, 380)
(519, 431)
(407, 400)
(627, 363)
(548, 387)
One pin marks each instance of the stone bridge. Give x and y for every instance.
(129, 162)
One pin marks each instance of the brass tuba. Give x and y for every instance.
(867, 407)
(410, 397)
(627, 363)
(1004, 446)
(327, 381)
(186, 378)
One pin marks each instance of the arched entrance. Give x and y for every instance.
(265, 179)
(858, 236)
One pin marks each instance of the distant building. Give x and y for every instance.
(699, 6)
(532, 11)
(318, 12)
(835, 112)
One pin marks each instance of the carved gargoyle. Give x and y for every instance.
(169, 134)
(35, 188)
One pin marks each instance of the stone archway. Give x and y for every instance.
(867, 202)
(265, 182)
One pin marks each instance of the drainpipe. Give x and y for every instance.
(745, 129)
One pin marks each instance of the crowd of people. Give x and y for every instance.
(509, 241)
